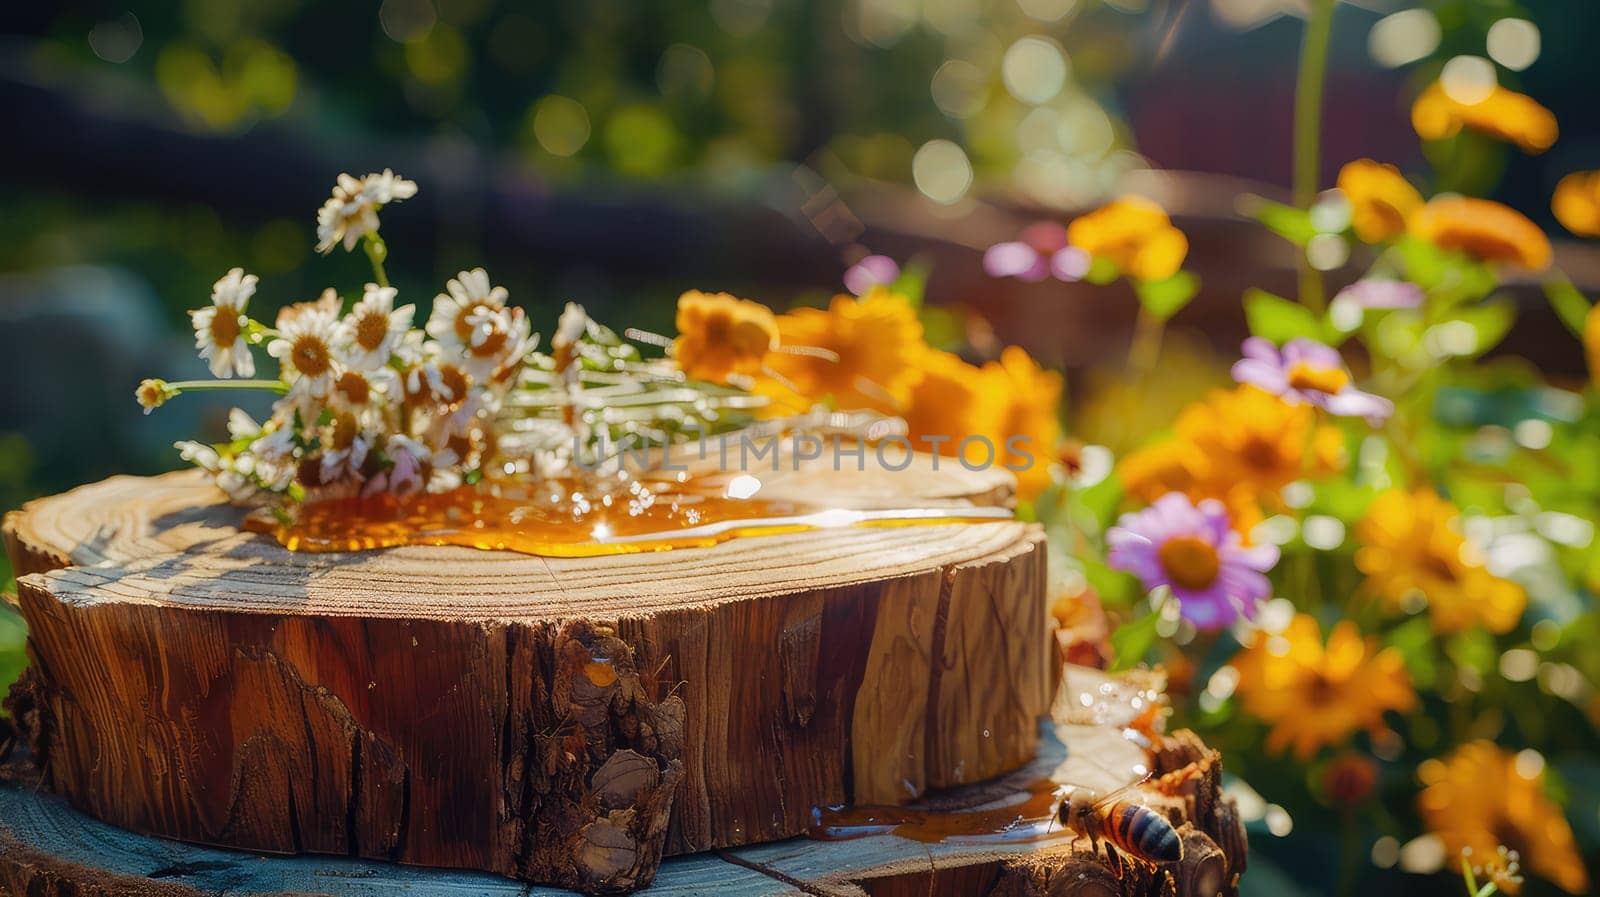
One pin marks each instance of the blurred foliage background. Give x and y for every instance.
(616, 153)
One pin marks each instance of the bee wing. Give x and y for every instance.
(1107, 799)
(1143, 773)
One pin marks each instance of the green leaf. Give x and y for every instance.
(912, 282)
(1288, 222)
(1490, 323)
(1101, 272)
(1571, 306)
(1164, 298)
(1425, 264)
(1278, 319)
(1133, 640)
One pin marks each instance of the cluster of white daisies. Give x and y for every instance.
(368, 404)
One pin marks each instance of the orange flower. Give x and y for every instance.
(720, 336)
(954, 400)
(1029, 428)
(1413, 555)
(1135, 235)
(1483, 229)
(1503, 114)
(869, 352)
(1314, 695)
(1483, 797)
(1241, 446)
(1381, 199)
(1577, 203)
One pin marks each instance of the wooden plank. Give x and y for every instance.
(49, 850)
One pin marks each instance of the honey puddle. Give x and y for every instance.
(1032, 819)
(565, 520)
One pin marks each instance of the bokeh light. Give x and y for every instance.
(1404, 37)
(1469, 80)
(1514, 43)
(942, 171)
(960, 89)
(561, 125)
(1034, 69)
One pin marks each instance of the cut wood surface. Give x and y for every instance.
(556, 720)
(49, 850)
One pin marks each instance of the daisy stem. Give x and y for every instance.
(179, 386)
(1308, 131)
(377, 251)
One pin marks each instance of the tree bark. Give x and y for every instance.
(566, 721)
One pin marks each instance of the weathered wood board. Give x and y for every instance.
(49, 850)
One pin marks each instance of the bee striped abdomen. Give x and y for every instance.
(1143, 832)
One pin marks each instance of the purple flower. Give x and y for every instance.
(1195, 552)
(1306, 371)
(872, 271)
(1381, 292)
(1040, 252)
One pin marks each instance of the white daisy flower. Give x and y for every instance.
(304, 347)
(469, 292)
(234, 475)
(405, 476)
(345, 450)
(498, 339)
(373, 329)
(242, 425)
(352, 211)
(574, 322)
(219, 327)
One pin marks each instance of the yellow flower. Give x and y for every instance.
(1482, 797)
(720, 335)
(1029, 428)
(1483, 229)
(1135, 235)
(954, 400)
(1412, 553)
(1381, 199)
(1577, 203)
(1314, 695)
(1503, 114)
(872, 347)
(1157, 469)
(1241, 446)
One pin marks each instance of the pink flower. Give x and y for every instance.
(1194, 551)
(1381, 292)
(872, 271)
(1041, 252)
(1307, 372)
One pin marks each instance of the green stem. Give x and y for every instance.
(377, 251)
(1308, 131)
(277, 386)
(1146, 348)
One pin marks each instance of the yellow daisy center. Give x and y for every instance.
(371, 330)
(354, 388)
(1314, 378)
(1191, 562)
(225, 325)
(309, 355)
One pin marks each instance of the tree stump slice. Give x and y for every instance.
(565, 721)
(49, 850)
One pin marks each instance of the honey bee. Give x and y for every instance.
(1135, 829)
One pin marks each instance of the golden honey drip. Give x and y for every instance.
(1032, 819)
(565, 520)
